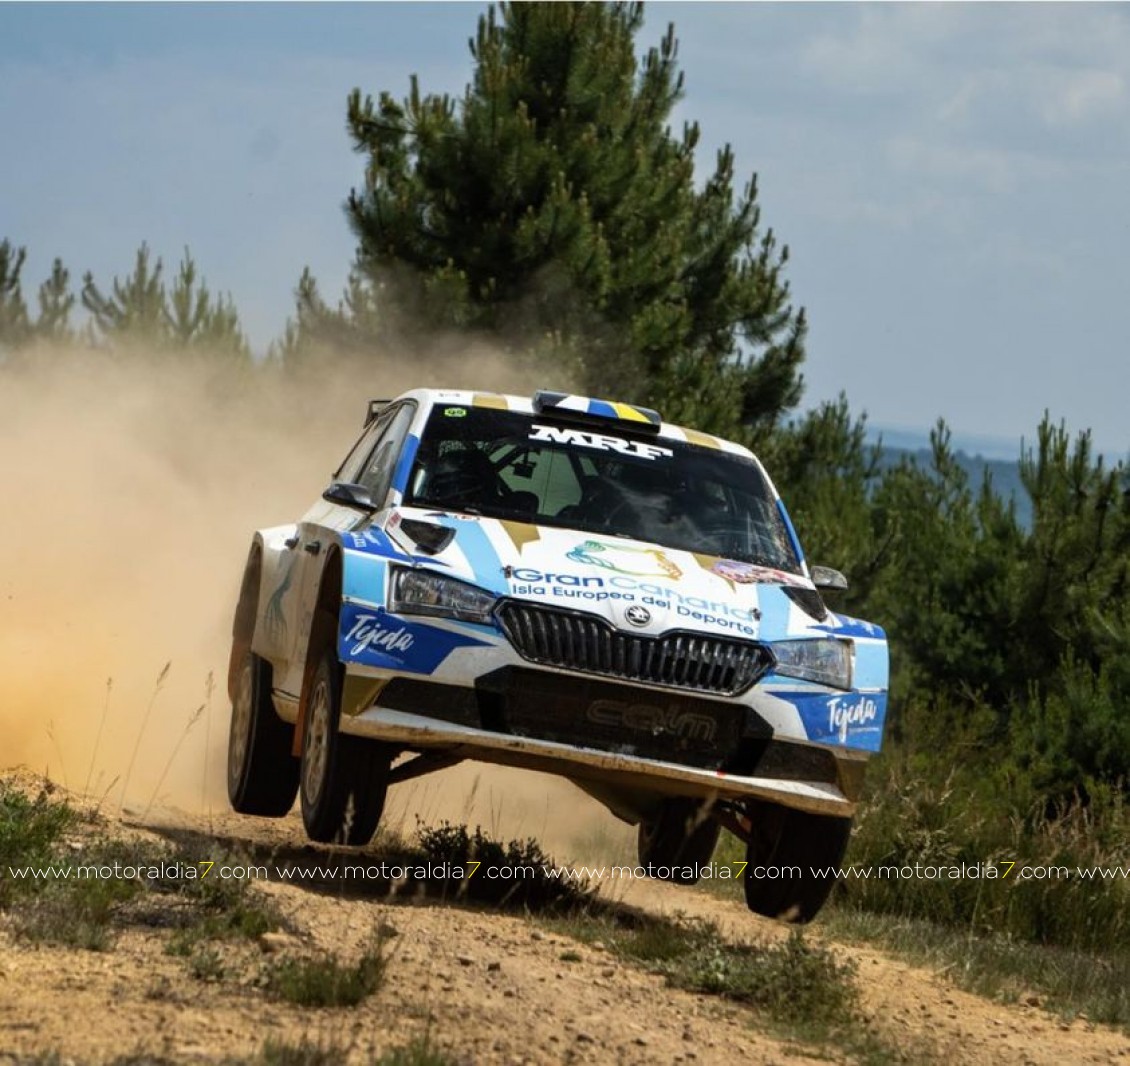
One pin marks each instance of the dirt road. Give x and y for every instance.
(478, 983)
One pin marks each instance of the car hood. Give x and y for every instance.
(638, 587)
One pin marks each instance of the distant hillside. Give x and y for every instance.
(976, 445)
(975, 454)
(1005, 474)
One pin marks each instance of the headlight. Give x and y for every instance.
(825, 661)
(426, 592)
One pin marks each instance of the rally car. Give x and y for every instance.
(568, 585)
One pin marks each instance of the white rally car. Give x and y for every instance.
(568, 585)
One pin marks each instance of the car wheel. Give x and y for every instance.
(678, 841)
(782, 838)
(344, 779)
(262, 773)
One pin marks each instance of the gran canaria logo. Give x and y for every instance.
(625, 560)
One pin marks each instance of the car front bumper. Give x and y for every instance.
(623, 771)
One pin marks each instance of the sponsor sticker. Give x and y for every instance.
(600, 442)
(750, 573)
(528, 581)
(625, 560)
(652, 719)
(850, 719)
(375, 637)
(845, 713)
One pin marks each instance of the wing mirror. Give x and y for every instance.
(350, 495)
(828, 580)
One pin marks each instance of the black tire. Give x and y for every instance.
(678, 841)
(262, 773)
(344, 779)
(783, 837)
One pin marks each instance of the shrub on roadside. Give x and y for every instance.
(326, 981)
(920, 812)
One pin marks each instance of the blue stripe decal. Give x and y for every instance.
(364, 577)
(789, 529)
(486, 566)
(602, 409)
(844, 719)
(774, 606)
(404, 463)
(373, 637)
(872, 665)
(843, 625)
(372, 541)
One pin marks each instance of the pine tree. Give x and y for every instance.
(14, 327)
(142, 315)
(135, 311)
(353, 329)
(55, 304)
(196, 320)
(828, 473)
(552, 208)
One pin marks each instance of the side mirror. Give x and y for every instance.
(350, 495)
(828, 580)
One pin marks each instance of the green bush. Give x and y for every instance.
(529, 887)
(29, 834)
(325, 981)
(922, 812)
(794, 981)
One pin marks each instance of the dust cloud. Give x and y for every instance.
(130, 489)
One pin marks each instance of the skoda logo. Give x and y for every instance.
(638, 616)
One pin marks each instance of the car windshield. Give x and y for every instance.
(608, 481)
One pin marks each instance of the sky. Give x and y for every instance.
(951, 179)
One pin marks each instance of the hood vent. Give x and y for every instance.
(808, 600)
(428, 537)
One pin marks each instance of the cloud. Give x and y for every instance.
(880, 50)
(987, 73)
(1086, 96)
(951, 181)
(940, 163)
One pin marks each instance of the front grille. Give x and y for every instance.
(576, 641)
